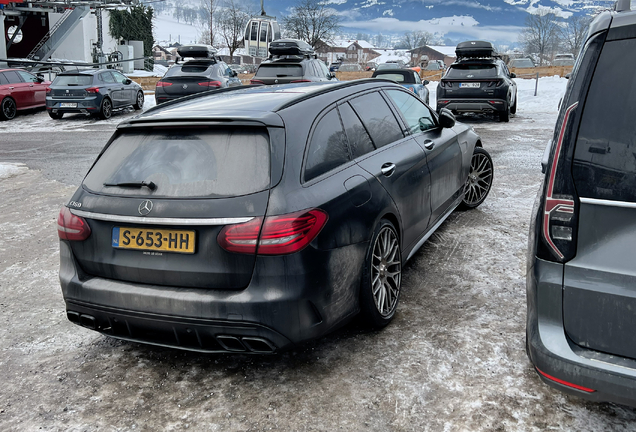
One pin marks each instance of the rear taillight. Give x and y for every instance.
(92, 90)
(558, 217)
(566, 383)
(163, 84)
(214, 84)
(48, 90)
(278, 235)
(255, 81)
(301, 80)
(71, 227)
(446, 84)
(500, 83)
(443, 102)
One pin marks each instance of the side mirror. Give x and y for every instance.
(128, 81)
(426, 82)
(513, 75)
(446, 118)
(426, 123)
(233, 73)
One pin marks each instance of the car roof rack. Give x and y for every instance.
(291, 49)
(475, 49)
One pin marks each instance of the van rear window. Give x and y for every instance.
(605, 155)
(184, 163)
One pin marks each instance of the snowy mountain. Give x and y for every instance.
(499, 21)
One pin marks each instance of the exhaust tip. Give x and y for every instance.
(231, 343)
(258, 345)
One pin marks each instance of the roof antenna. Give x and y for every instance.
(264, 14)
(619, 6)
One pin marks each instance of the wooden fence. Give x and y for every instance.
(149, 83)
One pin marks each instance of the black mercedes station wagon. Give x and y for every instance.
(255, 218)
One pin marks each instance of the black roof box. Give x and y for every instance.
(197, 50)
(290, 47)
(475, 49)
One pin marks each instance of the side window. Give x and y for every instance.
(417, 78)
(107, 77)
(417, 115)
(3, 80)
(225, 69)
(605, 154)
(327, 148)
(377, 118)
(359, 140)
(27, 77)
(323, 69)
(119, 77)
(12, 77)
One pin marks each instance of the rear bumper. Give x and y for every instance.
(473, 105)
(275, 311)
(612, 378)
(83, 105)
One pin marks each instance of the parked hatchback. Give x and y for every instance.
(93, 91)
(581, 279)
(20, 90)
(253, 219)
(201, 70)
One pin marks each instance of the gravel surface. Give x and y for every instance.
(453, 359)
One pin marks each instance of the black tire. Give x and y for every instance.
(8, 109)
(513, 108)
(56, 116)
(504, 116)
(106, 109)
(479, 179)
(383, 264)
(139, 104)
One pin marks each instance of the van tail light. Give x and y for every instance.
(163, 84)
(255, 81)
(92, 90)
(565, 383)
(298, 81)
(71, 227)
(214, 84)
(558, 219)
(275, 235)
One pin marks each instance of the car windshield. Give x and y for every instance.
(184, 163)
(521, 63)
(472, 71)
(279, 70)
(73, 80)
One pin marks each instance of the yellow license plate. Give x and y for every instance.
(158, 240)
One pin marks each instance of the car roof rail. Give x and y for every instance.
(623, 6)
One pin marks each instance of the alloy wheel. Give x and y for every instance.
(479, 179)
(386, 271)
(8, 108)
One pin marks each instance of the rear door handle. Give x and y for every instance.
(429, 145)
(388, 169)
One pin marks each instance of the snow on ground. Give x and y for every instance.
(11, 169)
(542, 108)
(39, 120)
(166, 31)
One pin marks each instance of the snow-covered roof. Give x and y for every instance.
(448, 51)
(344, 43)
(392, 54)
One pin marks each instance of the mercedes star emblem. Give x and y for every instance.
(185, 86)
(145, 207)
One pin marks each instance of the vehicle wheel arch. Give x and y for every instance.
(8, 97)
(395, 220)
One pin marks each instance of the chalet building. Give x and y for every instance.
(444, 53)
(349, 51)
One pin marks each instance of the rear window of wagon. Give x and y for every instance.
(185, 163)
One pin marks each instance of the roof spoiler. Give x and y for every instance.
(623, 6)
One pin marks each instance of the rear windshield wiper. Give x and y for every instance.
(138, 184)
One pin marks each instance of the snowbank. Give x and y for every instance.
(11, 169)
